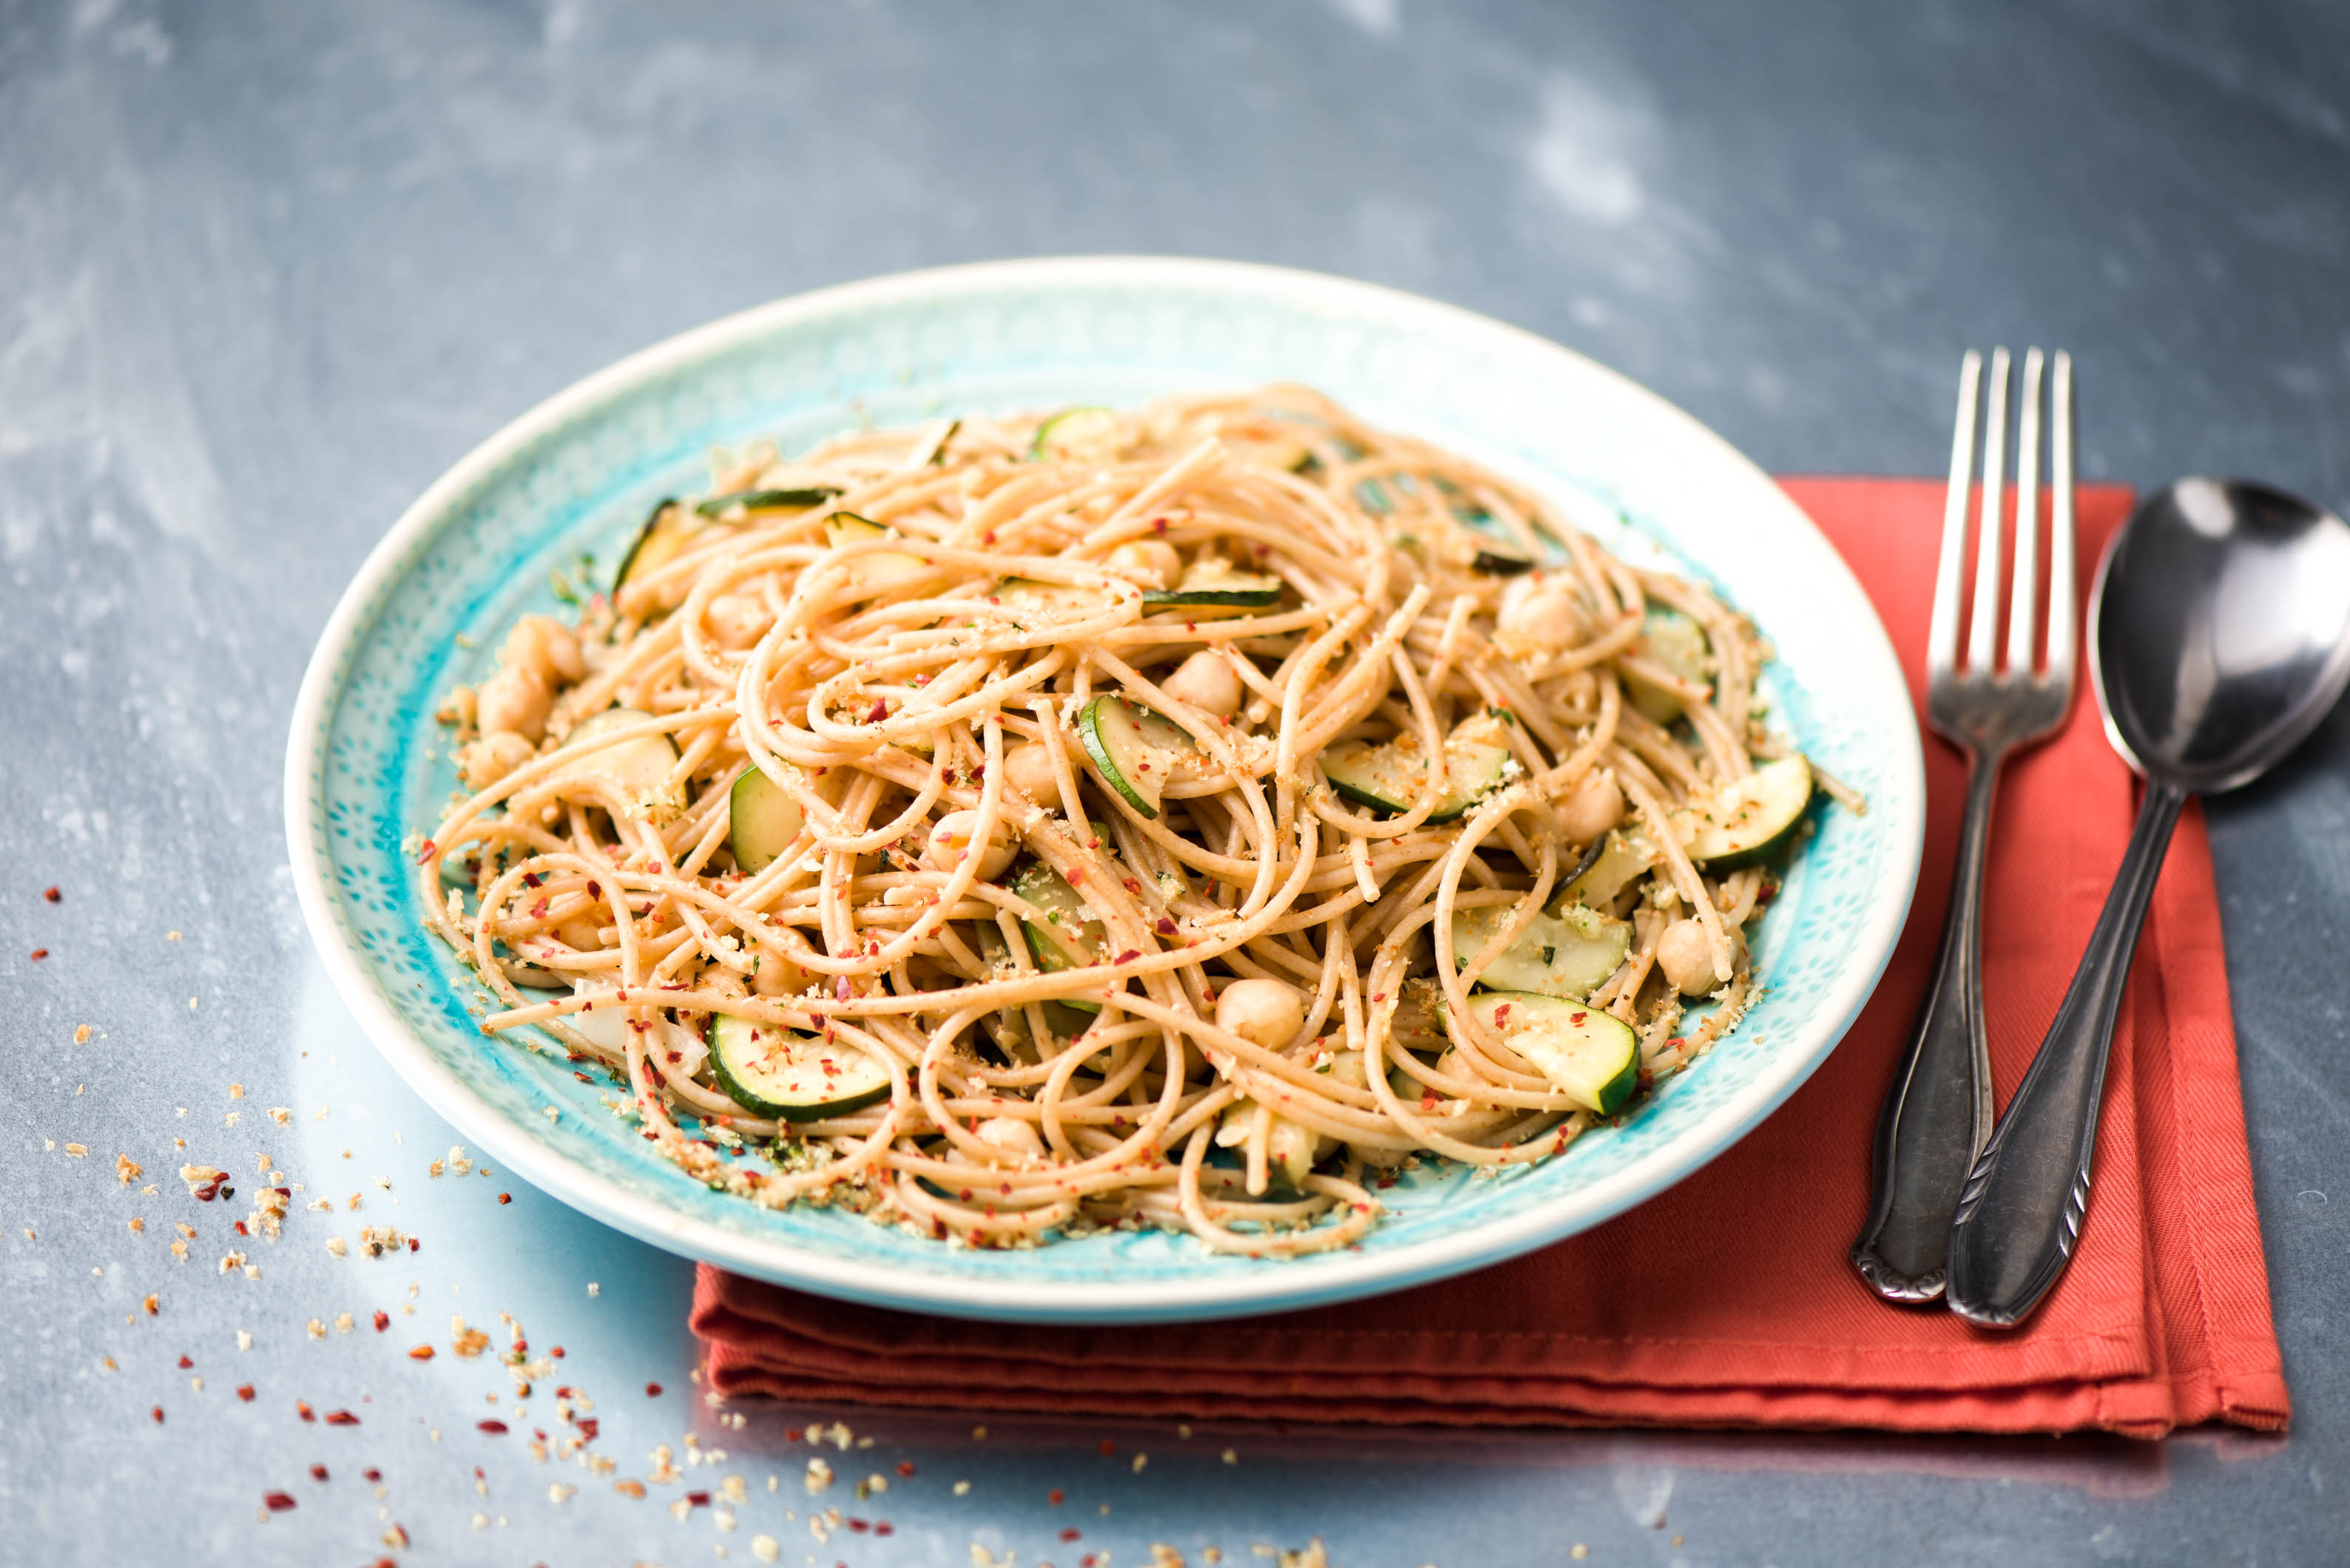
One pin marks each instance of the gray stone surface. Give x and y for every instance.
(265, 270)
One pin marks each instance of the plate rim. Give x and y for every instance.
(1324, 1279)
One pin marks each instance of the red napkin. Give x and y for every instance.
(1728, 1301)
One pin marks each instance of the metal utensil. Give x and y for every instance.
(2219, 637)
(1937, 1114)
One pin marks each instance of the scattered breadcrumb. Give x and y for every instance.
(138, 1225)
(337, 1246)
(279, 1114)
(81, 1035)
(243, 1340)
(78, 1150)
(126, 1169)
(236, 1091)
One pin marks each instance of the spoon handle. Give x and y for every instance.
(2019, 1217)
(1938, 1112)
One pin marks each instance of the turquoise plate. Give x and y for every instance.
(365, 766)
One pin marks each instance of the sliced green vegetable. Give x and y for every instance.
(797, 499)
(1087, 434)
(1592, 1057)
(1134, 750)
(1288, 1146)
(1678, 643)
(880, 568)
(1565, 954)
(1388, 777)
(636, 772)
(761, 821)
(1750, 819)
(1213, 581)
(665, 533)
(1068, 937)
(770, 1070)
(1623, 858)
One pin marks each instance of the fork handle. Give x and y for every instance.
(2019, 1217)
(1937, 1113)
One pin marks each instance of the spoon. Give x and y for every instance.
(2219, 637)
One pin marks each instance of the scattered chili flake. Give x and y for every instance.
(652, 1390)
(697, 1499)
(588, 1426)
(318, 1472)
(158, 1413)
(40, 953)
(51, 894)
(1128, 956)
(185, 1364)
(245, 1392)
(856, 1524)
(905, 1466)
(371, 1473)
(557, 1351)
(1054, 1497)
(1166, 927)
(883, 1527)
(505, 1197)
(1107, 1448)
(276, 1501)
(383, 1321)
(1071, 1532)
(302, 1409)
(423, 854)
(413, 1244)
(494, 1428)
(341, 1418)
(419, 1352)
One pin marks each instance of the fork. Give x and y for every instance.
(1938, 1112)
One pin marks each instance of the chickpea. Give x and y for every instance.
(779, 977)
(1028, 768)
(1596, 805)
(514, 699)
(1686, 955)
(1013, 1137)
(950, 841)
(1153, 560)
(1538, 612)
(484, 762)
(1206, 680)
(1266, 1012)
(545, 646)
(736, 620)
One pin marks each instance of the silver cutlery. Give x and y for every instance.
(1937, 1113)
(2219, 637)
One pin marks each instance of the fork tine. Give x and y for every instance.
(2022, 617)
(1942, 636)
(2060, 523)
(1983, 629)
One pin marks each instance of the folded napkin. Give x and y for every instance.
(1727, 1301)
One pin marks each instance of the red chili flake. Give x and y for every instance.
(372, 1474)
(1427, 1100)
(588, 1427)
(419, 1352)
(557, 1351)
(1379, 996)
(1054, 1497)
(1502, 1015)
(276, 1501)
(383, 1321)
(505, 1197)
(239, 1226)
(791, 1434)
(494, 1428)
(988, 538)
(538, 910)
(905, 1466)
(318, 1472)
(1128, 956)
(530, 879)
(596, 890)
(40, 953)
(413, 1244)
(697, 1499)
(51, 894)
(1129, 884)
(158, 1413)
(422, 854)
(302, 1409)
(883, 1527)
(652, 1390)
(245, 1392)
(341, 1418)
(1165, 926)
(1071, 1532)
(1577, 1018)
(881, 711)
(1107, 1448)
(185, 1364)
(1159, 524)
(856, 1524)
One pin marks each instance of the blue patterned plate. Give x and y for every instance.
(365, 768)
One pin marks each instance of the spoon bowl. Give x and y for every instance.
(2219, 637)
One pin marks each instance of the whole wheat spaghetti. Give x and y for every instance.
(1180, 817)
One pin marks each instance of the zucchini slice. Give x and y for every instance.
(1088, 434)
(636, 771)
(1622, 856)
(1592, 1057)
(1213, 581)
(1500, 564)
(1750, 819)
(1288, 1146)
(761, 821)
(1069, 937)
(1388, 777)
(793, 500)
(1678, 643)
(665, 533)
(1134, 750)
(770, 1070)
(1565, 954)
(880, 568)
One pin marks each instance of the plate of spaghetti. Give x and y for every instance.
(1105, 790)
